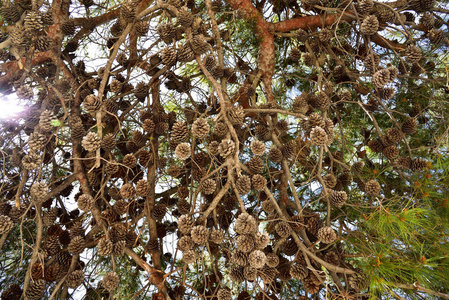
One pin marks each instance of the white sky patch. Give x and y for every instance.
(10, 107)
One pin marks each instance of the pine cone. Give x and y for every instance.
(31, 161)
(409, 126)
(110, 281)
(49, 217)
(45, 120)
(39, 190)
(275, 155)
(245, 224)
(326, 235)
(185, 53)
(127, 191)
(149, 126)
(185, 224)
(226, 148)
(92, 103)
(189, 256)
(267, 274)
(390, 152)
(179, 132)
(122, 59)
(245, 243)
(314, 120)
(236, 274)
(209, 62)
(108, 142)
(364, 7)
(199, 44)
(257, 259)
(262, 133)
(224, 294)
(261, 240)
(105, 247)
(118, 248)
(436, 36)
(217, 236)
(76, 245)
(6, 224)
(403, 162)
(78, 131)
(313, 224)
(217, 72)
(413, 54)
(394, 135)
(318, 136)
(130, 160)
(183, 151)
(299, 271)
(200, 128)
(85, 202)
(116, 86)
(338, 198)
(185, 243)
(295, 55)
(427, 20)
(375, 145)
(185, 17)
(33, 22)
(36, 141)
(168, 56)
(272, 260)
(128, 11)
(159, 211)
(381, 78)
(258, 182)
(166, 32)
(75, 279)
(309, 59)
(239, 258)
(258, 147)
(418, 164)
(208, 186)
(91, 142)
(358, 282)
(220, 128)
(236, 115)
(243, 184)
(372, 187)
(36, 290)
(200, 234)
(283, 229)
(330, 181)
(371, 61)
(255, 165)
(11, 12)
(370, 25)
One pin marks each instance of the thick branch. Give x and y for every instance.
(266, 59)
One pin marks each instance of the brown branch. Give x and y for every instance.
(417, 287)
(37, 245)
(156, 276)
(264, 30)
(308, 22)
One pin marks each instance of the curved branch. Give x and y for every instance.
(265, 30)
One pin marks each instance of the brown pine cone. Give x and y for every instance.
(105, 247)
(372, 187)
(326, 235)
(243, 184)
(110, 281)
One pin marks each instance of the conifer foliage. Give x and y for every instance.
(230, 149)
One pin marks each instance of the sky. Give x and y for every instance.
(9, 106)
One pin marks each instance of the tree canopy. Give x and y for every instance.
(236, 149)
